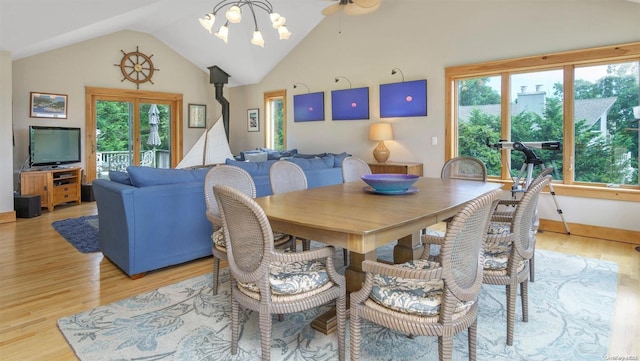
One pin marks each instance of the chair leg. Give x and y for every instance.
(512, 294)
(524, 295)
(532, 267)
(341, 312)
(354, 334)
(235, 317)
(216, 275)
(472, 339)
(265, 335)
(306, 244)
(345, 256)
(445, 348)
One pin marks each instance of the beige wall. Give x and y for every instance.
(423, 39)
(70, 69)
(6, 141)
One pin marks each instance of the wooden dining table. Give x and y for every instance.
(348, 216)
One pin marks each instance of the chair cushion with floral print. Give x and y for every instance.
(412, 296)
(291, 278)
(497, 252)
(218, 239)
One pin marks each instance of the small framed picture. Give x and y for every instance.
(253, 120)
(197, 116)
(47, 105)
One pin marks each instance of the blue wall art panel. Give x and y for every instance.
(308, 107)
(350, 104)
(406, 99)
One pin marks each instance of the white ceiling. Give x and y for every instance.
(30, 27)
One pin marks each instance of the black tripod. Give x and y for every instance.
(521, 185)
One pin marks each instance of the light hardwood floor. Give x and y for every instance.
(43, 278)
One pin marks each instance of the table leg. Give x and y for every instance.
(408, 248)
(327, 322)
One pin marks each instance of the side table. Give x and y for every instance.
(397, 168)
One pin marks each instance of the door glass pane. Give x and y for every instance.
(114, 148)
(606, 128)
(155, 145)
(479, 120)
(536, 118)
(274, 123)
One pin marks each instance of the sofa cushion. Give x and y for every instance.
(254, 168)
(309, 156)
(243, 154)
(148, 176)
(315, 163)
(338, 158)
(119, 177)
(256, 157)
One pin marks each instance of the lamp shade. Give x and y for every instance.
(380, 131)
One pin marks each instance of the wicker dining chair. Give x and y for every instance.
(508, 250)
(271, 282)
(504, 213)
(242, 181)
(286, 177)
(424, 297)
(466, 168)
(469, 168)
(354, 168)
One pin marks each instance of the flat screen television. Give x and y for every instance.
(53, 146)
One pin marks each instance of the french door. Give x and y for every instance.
(127, 127)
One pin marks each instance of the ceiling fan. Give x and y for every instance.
(352, 7)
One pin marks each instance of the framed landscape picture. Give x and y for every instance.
(47, 105)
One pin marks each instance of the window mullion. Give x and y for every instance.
(568, 148)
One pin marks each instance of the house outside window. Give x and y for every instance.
(584, 100)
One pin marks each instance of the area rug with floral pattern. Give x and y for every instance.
(571, 305)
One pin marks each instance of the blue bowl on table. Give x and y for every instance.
(390, 183)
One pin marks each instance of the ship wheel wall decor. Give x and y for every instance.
(137, 67)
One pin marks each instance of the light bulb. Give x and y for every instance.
(223, 33)
(234, 14)
(207, 22)
(284, 32)
(257, 39)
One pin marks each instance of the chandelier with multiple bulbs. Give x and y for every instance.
(234, 15)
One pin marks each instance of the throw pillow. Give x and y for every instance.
(338, 158)
(315, 163)
(254, 168)
(119, 177)
(256, 157)
(147, 176)
(243, 154)
(309, 156)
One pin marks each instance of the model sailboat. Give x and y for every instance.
(211, 148)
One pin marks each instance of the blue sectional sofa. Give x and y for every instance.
(320, 171)
(150, 218)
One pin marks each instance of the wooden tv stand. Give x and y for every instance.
(55, 186)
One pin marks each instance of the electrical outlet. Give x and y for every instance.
(434, 140)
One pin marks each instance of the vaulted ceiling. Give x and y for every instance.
(30, 27)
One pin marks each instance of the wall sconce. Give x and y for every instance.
(393, 72)
(381, 132)
(295, 85)
(345, 78)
